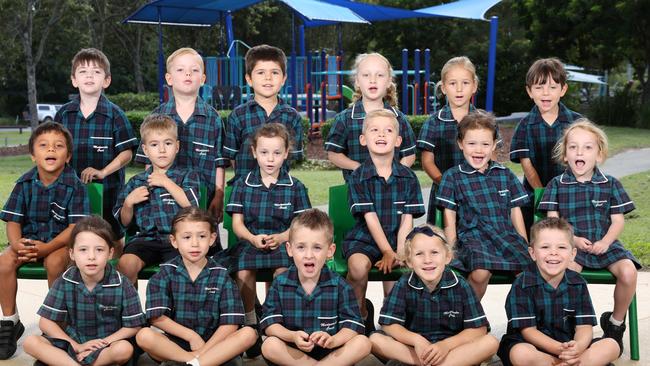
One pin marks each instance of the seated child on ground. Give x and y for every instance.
(550, 315)
(481, 199)
(152, 198)
(594, 203)
(40, 212)
(310, 313)
(384, 197)
(432, 316)
(92, 311)
(194, 301)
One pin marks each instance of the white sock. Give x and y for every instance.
(194, 362)
(614, 321)
(250, 318)
(13, 318)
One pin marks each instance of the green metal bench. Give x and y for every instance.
(343, 221)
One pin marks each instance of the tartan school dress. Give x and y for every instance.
(44, 212)
(369, 192)
(439, 136)
(97, 140)
(436, 315)
(201, 139)
(556, 312)
(91, 314)
(344, 135)
(206, 303)
(266, 210)
(486, 237)
(330, 307)
(588, 207)
(242, 123)
(153, 217)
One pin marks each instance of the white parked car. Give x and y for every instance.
(46, 112)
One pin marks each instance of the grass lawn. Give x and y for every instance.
(635, 236)
(13, 138)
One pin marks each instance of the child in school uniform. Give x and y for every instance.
(432, 316)
(200, 129)
(437, 140)
(194, 302)
(152, 198)
(594, 203)
(310, 313)
(41, 211)
(373, 89)
(102, 135)
(481, 200)
(384, 197)
(550, 315)
(99, 307)
(266, 72)
(262, 205)
(536, 134)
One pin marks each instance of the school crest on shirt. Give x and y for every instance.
(451, 313)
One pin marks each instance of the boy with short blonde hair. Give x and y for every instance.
(200, 129)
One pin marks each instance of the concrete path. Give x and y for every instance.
(32, 293)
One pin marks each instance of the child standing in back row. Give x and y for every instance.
(594, 203)
(373, 89)
(483, 197)
(437, 140)
(200, 129)
(102, 136)
(537, 133)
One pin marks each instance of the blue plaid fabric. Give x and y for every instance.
(266, 210)
(486, 238)
(390, 199)
(153, 217)
(535, 139)
(201, 140)
(344, 135)
(98, 139)
(44, 212)
(330, 307)
(588, 207)
(206, 303)
(556, 312)
(96, 314)
(445, 312)
(242, 124)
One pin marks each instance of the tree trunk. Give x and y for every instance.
(137, 58)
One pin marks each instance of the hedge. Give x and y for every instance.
(416, 122)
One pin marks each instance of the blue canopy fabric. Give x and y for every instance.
(370, 12)
(466, 9)
(202, 13)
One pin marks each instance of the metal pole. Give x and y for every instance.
(416, 84)
(492, 59)
(301, 37)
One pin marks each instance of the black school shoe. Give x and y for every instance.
(174, 363)
(9, 335)
(256, 349)
(370, 319)
(612, 331)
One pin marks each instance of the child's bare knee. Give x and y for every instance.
(56, 262)
(271, 346)
(628, 273)
(145, 337)
(360, 343)
(121, 351)
(8, 262)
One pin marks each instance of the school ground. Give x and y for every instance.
(31, 293)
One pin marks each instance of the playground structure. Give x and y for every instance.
(316, 77)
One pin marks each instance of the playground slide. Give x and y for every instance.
(347, 94)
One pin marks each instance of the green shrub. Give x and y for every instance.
(136, 118)
(416, 124)
(619, 110)
(644, 117)
(135, 101)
